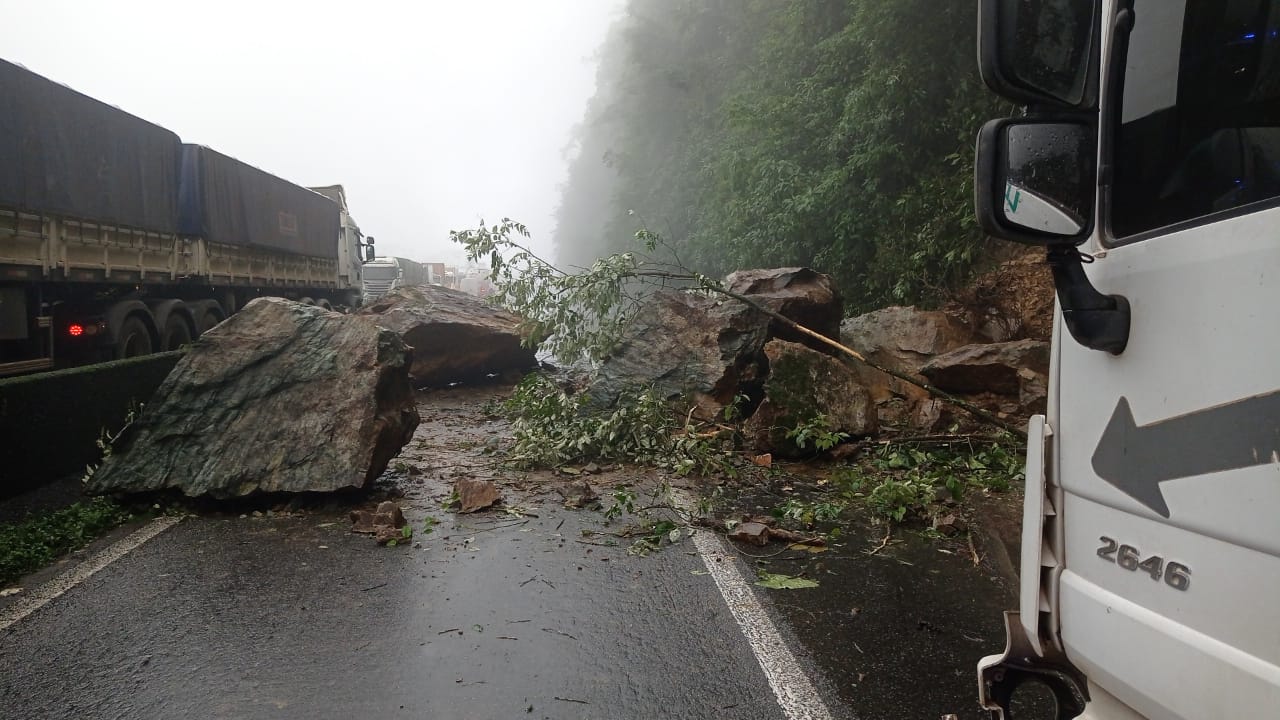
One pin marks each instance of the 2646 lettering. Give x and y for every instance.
(1175, 574)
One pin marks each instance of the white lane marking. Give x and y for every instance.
(53, 589)
(795, 693)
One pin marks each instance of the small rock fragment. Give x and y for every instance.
(475, 495)
(752, 533)
(362, 522)
(578, 495)
(389, 513)
(386, 535)
(949, 524)
(386, 523)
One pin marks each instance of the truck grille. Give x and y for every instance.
(374, 289)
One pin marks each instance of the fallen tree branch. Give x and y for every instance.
(796, 538)
(883, 543)
(610, 277)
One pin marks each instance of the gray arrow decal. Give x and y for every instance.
(1228, 437)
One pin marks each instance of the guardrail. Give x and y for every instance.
(50, 423)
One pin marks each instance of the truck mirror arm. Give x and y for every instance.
(1095, 320)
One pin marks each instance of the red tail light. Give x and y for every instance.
(76, 330)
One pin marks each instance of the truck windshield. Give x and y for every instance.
(1199, 125)
(380, 272)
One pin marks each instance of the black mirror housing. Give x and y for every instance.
(1041, 52)
(1035, 179)
(1036, 183)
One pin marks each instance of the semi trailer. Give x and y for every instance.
(118, 240)
(1147, 164)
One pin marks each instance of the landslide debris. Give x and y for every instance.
(281, 397)
(455, 337)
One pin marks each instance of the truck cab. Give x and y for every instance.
(1147, 164)
(381, 276)
(353, 249)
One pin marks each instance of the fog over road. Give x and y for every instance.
(432, 115)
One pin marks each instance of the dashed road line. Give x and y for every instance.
(53, 589)
(796, 694)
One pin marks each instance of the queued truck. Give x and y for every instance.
(384, 274)
(118, 240)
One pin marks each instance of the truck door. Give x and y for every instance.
(1168, 453)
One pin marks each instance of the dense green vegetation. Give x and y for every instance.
(831, 133)
(31, 544)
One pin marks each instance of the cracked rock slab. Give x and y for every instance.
(281, 397)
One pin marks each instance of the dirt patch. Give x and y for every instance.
(1012, 301)
(462, 437)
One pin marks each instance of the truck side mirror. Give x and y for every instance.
(1041, 51)
(1036, 184)
(1035, 180)
(368, 249)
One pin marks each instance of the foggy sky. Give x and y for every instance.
(432, 114)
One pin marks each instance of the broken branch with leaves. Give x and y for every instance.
(583, 315)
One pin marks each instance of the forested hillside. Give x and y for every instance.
(836, 134)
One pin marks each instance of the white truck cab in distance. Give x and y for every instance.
(1148, 166)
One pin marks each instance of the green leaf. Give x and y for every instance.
(784, 582)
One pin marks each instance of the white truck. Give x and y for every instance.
(384, 274)
(118, 240)
(1150, 151)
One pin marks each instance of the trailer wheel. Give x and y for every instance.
(176, 333)
(307, 301)
(324, 304)
(208, 320)
(134, 339)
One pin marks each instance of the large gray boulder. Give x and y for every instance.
(455, 337)
(281, 397)
(902, 339)
(804, 296)
(685, 345)
(710, 349)
(993, 368)
(802, 385)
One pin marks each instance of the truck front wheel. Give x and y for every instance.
(134, 339)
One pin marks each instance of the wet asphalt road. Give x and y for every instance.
(253, 618)
(493, 616)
